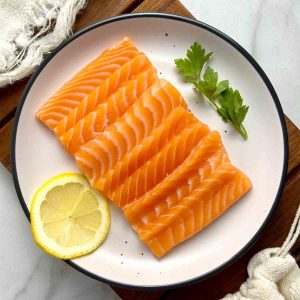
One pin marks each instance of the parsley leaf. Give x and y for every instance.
(227, 102)
(190, 68)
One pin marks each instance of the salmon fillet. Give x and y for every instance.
(202, 160)
(158, 167)
(202, 206)
(101, 154)
(135, 140)
(107, 112)
(85, 81)
(178, 119)
(106, 88)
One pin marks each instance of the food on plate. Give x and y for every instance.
(100, 154)
(135, 140)
(102, 91)
(107, 112)
(227, 102)
(85, 81)
(68, 217)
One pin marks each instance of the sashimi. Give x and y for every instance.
(201, 161)
(101, 154)
(158, 167)
(106, 88)
(201, 207)
(135, 140)
(85, 81)
(178, 119)
(108, 112)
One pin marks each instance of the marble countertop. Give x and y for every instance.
(270, 31)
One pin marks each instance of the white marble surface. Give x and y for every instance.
(27, 273)
(270, 31)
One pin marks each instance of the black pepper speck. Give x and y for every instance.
(126, 242)
(166, 34)
(225, 131)
(121, 263)
(121, 254)
(142, 253)
(174, 46)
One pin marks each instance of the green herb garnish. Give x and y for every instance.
(226, 101)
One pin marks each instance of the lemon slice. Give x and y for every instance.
(69, 218)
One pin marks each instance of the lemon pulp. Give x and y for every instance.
(68, 217)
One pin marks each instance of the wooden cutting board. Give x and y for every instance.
(276, 231)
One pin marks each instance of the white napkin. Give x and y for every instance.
(29, 29)
(26, 271)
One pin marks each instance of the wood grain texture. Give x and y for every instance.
(5, 136)
(294, 145)
(97, 10)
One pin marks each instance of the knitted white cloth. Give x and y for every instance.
(273, 273)
(29, 29)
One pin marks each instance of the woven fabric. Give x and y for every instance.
(273, 273)
(29, 29)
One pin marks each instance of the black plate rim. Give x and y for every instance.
(258, 69)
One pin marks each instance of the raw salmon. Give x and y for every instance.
(202, 206)
(105, 89)
(107, 112)
(202, 160)
(85, 81)
(167, 195)
(101, 154)
(158, 167)
(135, 140)
(178, 119)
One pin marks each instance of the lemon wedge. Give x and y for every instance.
(68, 217)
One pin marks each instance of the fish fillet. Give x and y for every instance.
(85, 81)
(101, 154)
(202, 206)
(158, 167)
(135, 140)
(106, 88)
(178, 119)
(107, 112)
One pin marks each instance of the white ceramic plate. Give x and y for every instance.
(123, 259)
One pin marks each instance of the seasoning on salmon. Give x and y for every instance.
(135, 140)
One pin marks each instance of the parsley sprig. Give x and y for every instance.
(226, 101)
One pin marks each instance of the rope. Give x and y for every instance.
(273, 273)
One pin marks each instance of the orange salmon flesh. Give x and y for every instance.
(135, 140)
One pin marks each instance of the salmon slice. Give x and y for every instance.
(158, 167)
(108, 112)
(85, 81)
(109, 86)
(201, 207)
(166, 195)
(178, 119)
(209, 146)
(99, 155)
